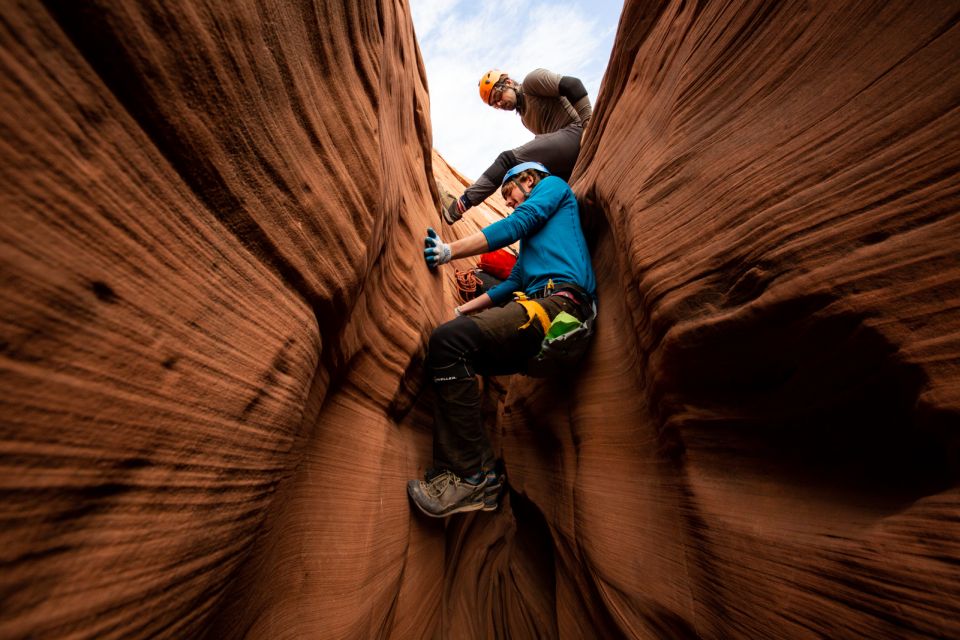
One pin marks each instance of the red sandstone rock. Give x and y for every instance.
(215, 312)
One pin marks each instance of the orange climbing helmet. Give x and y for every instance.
(487, 82)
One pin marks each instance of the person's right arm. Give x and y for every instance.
(472, 245)
(437, 252)
(528, 217)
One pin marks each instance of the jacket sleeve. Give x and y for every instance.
(573, 90)
(529, 217)
(504, 291)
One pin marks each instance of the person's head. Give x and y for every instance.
(498, 90)
(520, 180)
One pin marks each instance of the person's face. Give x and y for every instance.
(514, 195)
(503, 96)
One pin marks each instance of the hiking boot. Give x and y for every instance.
(492, 489)
(447, 493)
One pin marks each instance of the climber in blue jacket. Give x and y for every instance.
(553, 273)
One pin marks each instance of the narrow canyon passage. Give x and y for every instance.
(216, 312)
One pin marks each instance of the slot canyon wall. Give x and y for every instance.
(215, 311)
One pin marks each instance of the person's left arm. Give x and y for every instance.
(573, 90)
(549, 84)
(479, 303)
(504, 291)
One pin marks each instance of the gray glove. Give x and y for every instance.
(437, 252)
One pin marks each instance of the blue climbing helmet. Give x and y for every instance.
(523, 166)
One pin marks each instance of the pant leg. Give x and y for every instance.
(557, 151)
(510, 349)
(459, 350)
(490, 180)
(460, 442)
(488, 343)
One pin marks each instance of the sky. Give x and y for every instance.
(460, 40)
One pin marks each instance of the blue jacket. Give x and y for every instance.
(552, 246)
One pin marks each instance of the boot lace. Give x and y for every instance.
(438, 485)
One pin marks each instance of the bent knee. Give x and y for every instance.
(453, 340)
(441, 340)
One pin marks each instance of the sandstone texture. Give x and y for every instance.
(215, 312)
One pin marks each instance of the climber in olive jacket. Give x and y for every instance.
(554, 107)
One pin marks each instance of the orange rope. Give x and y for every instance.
(467, 283)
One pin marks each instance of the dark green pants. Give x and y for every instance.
(487, 343)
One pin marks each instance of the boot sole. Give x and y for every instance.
(464, 509)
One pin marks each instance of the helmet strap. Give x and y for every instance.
(520, 186)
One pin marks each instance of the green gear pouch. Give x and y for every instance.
(562, 323)
(564, 344)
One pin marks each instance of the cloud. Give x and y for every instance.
(461, 40)
(428, 14)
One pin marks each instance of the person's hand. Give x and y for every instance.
(455, 210)
(437, 252)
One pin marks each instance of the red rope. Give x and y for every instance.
(467, 283)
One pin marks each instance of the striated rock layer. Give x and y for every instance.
(774, 195)
(213, 297)
(215, 312)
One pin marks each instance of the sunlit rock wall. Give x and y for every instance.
(215, 311)
(214, 299)
(764, 442)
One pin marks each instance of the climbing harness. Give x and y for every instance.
(564, 344)
(565, 337)
(534, 309)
